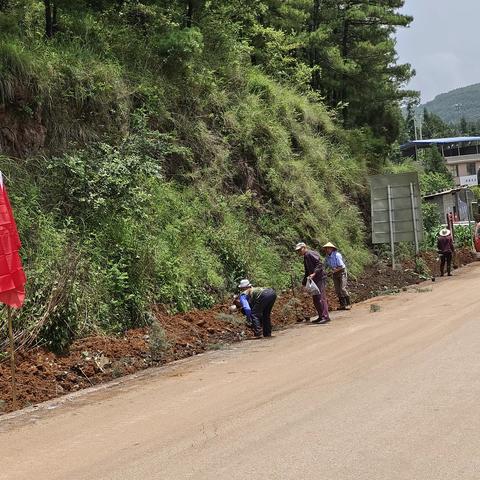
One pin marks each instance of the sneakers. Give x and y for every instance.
(320, 321)
(303, 319)
(344, 303)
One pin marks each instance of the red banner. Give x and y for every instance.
(12, 277)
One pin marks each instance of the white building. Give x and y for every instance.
(461, 154)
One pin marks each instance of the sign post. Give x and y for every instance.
(396, 210)
(390, 221)
(414, 217)
(12, 356)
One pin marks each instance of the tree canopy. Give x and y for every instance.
(342, 49)
(160, 150)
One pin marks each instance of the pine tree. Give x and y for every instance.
(365, 76)
(435, 127)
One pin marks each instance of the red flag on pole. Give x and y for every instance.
(12, 277)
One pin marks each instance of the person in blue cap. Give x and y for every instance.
(256, 304)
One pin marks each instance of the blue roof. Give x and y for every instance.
(439, 141)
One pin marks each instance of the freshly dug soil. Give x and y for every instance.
(42, 375)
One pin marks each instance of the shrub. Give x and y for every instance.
(431, 216)
(166, 176)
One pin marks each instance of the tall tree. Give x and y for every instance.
(435, 127)
(410, 119)
(350, 49)
(366, 78)
(50, 17)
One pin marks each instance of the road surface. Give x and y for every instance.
(393, 394)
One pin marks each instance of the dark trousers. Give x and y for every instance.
(340, 283)
(445, 258)
(262, 311)
(321, 302)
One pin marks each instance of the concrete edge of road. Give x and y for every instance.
(54, 403)
(156, 371)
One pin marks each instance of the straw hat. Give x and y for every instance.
(330, 245)
(445, 232)
(245, 283)
(299, 246)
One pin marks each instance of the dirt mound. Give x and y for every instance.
(42, 375)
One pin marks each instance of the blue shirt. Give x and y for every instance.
(245, 305)
(334, 260)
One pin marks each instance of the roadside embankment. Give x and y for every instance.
(42, 375)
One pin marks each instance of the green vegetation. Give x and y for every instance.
(158, 151)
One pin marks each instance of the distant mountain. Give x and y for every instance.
(452, 106)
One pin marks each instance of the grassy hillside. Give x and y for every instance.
(460, 103)
(158, 165)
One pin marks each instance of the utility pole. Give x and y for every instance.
(418, 126)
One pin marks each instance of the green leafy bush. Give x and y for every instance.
(172, 167)
(463, 236)
(431, 216)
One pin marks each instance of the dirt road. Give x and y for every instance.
(392, 394)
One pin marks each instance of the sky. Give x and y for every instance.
(442, 44)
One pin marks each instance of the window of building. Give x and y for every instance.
(471, 170)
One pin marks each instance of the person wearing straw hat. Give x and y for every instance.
(314, 270)
(445, 249)
(256, 304)
(334, 262)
